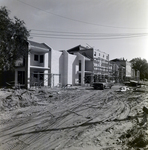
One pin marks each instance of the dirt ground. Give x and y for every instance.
(74, 118)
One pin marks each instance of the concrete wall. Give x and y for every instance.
(63, 65)
(89, 66)
(128, 69)
(75, 71)
(98, 53)
(88, 52)
(79, 58)
(54, 58)
(71, 59)
(33, 62)
(66, 63)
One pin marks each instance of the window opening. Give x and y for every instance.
(35, 57)
(41, 58)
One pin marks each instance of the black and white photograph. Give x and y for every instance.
(73, 74)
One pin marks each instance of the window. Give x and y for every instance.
(94, 53)
(35, 57)
(41, 58)
(35, 75)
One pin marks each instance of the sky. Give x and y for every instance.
(116, 27)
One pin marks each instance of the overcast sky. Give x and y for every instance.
(117, 27)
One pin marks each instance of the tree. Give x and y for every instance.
(141, 65)
(13, 40)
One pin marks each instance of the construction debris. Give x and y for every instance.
(81, 118)
(123, 89)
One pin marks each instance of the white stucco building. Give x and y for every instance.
(44, 66)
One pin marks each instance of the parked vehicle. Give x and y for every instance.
(102, 85)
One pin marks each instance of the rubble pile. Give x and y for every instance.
(135, 138)
(79, 118)
(19, 98)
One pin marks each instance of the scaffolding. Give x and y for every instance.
(44, 79)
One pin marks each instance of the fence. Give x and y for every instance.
(43, 79)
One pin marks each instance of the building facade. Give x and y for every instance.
(101, 64)
(93, 64)
(33, 69)
(124, 70)
(79, 65)
(44, 66)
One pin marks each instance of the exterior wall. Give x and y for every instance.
(80, 58)
(98, 64)
(75, 80)
(54, 61)
(66, 68)
(36, 72)
(63, 65)
(128, 69)
(89, 66)
(88, 53)
(33, 62)
(33, 71)
(97, 53)
(101, 63)
(37, 63)
(70, 72)
(113, 71)
(54, 65)
(125, 70)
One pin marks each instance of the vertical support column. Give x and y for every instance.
(46, 60)
(28, 71)
(45, 77)
(82, 71)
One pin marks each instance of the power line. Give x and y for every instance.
(90, 38)
(36, 31)
(80, 21)
(90, 35)
(87, 35)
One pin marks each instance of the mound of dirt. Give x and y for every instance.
(135, 138)
(18, 98)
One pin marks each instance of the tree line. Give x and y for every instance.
(141, 65)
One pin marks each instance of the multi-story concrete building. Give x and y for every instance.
(101, 64)
(125, 71)
(33, 69)
(93, 64)
(113, 71)
(44, 66)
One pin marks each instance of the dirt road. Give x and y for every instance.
(70, 119)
